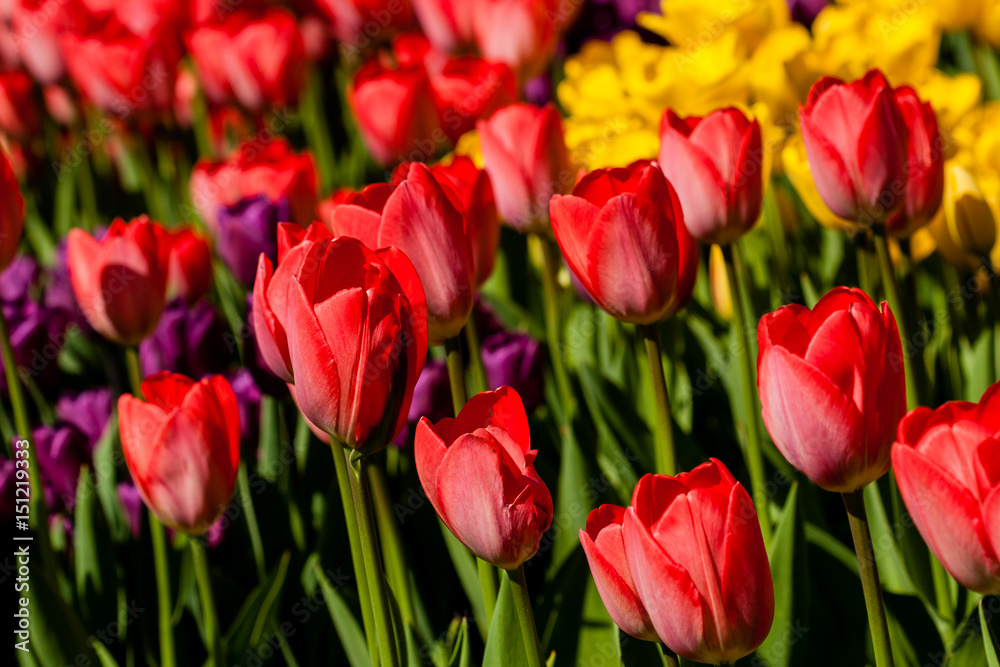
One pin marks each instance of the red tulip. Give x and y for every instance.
(855, 140)
(255, 58)
(697, 558)
(190, 265)
(447, 23)
(419, 218)
(336, 319)
(843, 361)
(947, 464)
(271, 169)
(18, 110)
(396, 113)
(356, 22)
(604, 544)
(478, 471)
(11, 213)
(623, 235)
(475, 192)
(467, 89)
(182, 447)
(520, 33)
(35, 29)
(121, 72)
(716, 165)
(526, 158)
(120, 282)
(924, 167)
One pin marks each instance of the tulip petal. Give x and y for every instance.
(572, 219)
(826, 442)
(698, 183)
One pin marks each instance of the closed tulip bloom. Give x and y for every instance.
(843, 359)
(924, 165)
(396, 113)
(855, 139)
(352, 19)
(716, 165)
(248, 228)
(189, 275)
(19, 115)
(604, 543)
(11, 213)
(467, 89)
(947, 464)
(964, 229)
(478, 471)
(257, 59)
(420, 219)
(182, 448)
(623, 235)
(335, 320)
(525, 154)
(520, 33)
(697, 559)
(120, 282)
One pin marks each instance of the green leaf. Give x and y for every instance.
(105, 470)
(352, 637)
(468, 574)
(891, 568)
(786, 552)
(94, 558)
(258, 612)
(504, 647)
(103, 655)
(57, 637)
(989, 640)
(460, 653)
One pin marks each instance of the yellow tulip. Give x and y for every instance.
(988, 26)
(691, 24)
(964, 230)
(718, 281)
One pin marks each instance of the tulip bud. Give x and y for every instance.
(447, 23)
(525, 155)
(338, 321)
(964, 229)
(478, 471)
(696, 556)
(11, 213)
(924, 165)
(623, 235)
(716, 164)
(18, 111)
(182, 448)
(718, 279)
(189, 275)
(120, 282)
(520, 33)
(844, 360)
(420, 219)
(855, 138)
(948, 470)
(255, 58)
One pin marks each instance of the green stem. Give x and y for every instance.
(754, 457)
(479, 379)
(354, 541)
(550, 286)
(525, 617)
(864, 268)
(868, 570)
(134, 373)
(21, 422)
(216, 649)
(988, 68)
(456, 376)
(668, 657)
(456, 373)
(942, 594)
(666, 462)
(392, 543)
(373, 562)
(158, 534)
(913, 398)
(243, 480)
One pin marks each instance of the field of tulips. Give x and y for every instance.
(500, 333)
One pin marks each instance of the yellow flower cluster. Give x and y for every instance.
(750, 54)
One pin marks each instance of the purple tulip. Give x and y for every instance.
(247, 229)
(17, 279)
(88, 411)
(603, 19)
(131, 503)
(806, 11)
(59, 294)
(516, 360)
(431, 398)
(37, 336)
(60, 450)
(192, 340)
(248, 396)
